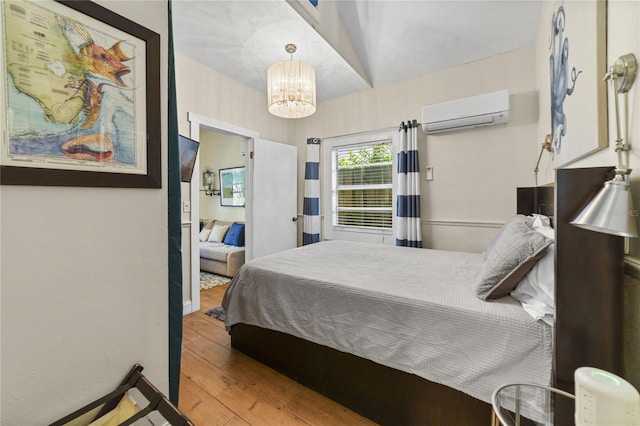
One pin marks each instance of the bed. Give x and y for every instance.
(413, 345)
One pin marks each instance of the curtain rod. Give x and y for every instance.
(364, 132)
(410, 124)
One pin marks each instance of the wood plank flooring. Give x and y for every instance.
(221, 386)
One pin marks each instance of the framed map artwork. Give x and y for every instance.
(79, 97)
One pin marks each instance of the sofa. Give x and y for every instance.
(221, 247)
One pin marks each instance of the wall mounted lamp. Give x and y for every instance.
(291, 87)
(545, 146)
(611, 210)
(208, 178)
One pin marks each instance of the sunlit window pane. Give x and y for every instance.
(363, 186)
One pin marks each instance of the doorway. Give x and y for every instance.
(199, 126)
(222, 157)
(270, 174)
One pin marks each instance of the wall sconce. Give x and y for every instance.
(611, 210)
(208, 178)
(545, 146)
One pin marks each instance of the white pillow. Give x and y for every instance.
(204, 234)
(536, 291)
(542, 224)
(217, 233)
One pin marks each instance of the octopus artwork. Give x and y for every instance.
(563, 81)
(69, 96)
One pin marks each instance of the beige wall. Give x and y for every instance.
(475, 171)
(84, 281)
(220, 151)
(204, 91)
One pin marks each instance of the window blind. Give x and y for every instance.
(363, 186)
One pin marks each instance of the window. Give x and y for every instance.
(363, 186)
(359, 189)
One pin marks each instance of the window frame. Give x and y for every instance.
(337, 232)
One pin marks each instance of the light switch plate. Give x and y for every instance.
(429, 173)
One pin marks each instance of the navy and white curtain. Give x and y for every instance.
(311, 208)
(408, 231)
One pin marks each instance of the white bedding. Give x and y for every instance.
(414, 310)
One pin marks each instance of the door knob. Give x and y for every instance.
(294, 219)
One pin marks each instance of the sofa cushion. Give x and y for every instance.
(208, 223)
(218, 233)
(235, 235)
(217, 251)
(204, 234)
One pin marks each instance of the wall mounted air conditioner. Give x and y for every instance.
(484, 110)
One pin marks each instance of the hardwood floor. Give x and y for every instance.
(221, 386)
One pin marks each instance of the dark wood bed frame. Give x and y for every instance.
(588, 330)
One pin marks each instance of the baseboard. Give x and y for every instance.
(186, 307)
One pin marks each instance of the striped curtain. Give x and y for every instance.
(311, 208)
(408, 231)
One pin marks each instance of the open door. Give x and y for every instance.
(271, 200)
(273, 203)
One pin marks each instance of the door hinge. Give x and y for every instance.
(252, 154)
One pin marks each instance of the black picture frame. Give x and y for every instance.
(232, 186)
(150, 177)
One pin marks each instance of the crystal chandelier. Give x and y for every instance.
(291, 87)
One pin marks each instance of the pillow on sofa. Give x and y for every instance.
(235, 236)
(204, 234)
(218, 233)
(515, 252)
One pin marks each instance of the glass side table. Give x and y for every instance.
(532, 405)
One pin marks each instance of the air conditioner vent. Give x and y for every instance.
(477, 111)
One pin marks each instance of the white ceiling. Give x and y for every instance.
(394, 39)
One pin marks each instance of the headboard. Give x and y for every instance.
(589, 269)
(589, 282)
(537, 199)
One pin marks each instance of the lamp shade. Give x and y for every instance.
(611, 210)
(208, 178)
(291, 89)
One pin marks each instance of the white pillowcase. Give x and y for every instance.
(542, 224)
(218, 233)
(536, 291)
(204, 234)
